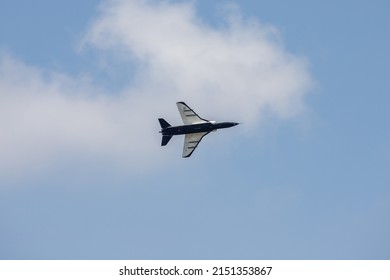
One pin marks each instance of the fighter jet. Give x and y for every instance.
(194, 128)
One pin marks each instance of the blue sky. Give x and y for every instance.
(82, 175)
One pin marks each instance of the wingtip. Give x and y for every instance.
(187, 156)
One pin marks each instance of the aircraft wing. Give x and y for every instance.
(188, 115)
(191, 141)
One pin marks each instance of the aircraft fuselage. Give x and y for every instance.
(196, 128)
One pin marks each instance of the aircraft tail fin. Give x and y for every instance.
(165, 139)
(164, 123)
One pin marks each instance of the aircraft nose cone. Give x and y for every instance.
(234, 124)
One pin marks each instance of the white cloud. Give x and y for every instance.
(237, 71)
(44, 119)
(240, 68)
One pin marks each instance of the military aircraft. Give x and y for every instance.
(194, 128)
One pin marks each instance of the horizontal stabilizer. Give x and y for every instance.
(164, 123)
(165, 139)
